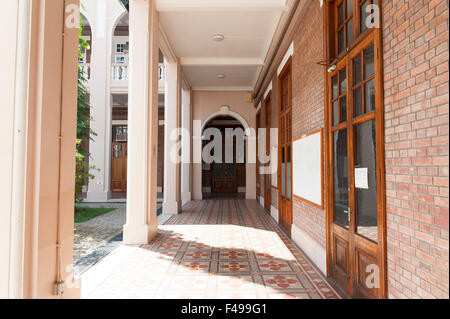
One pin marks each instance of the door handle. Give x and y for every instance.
(348, 213)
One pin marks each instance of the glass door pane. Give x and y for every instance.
(218, 171)
(341, 210)
(288, 174)
(365, 180)
(230, 172)
(283, 175)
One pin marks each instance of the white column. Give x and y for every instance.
(197, 193)
(186, 195)
(142, 222)
(172, 116)
(250, 167)
(98, 188)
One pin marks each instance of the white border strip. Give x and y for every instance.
(289, 53)
(274, 213)
(259, 107)
(310, 247)
(269, 88)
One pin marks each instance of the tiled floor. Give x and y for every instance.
(227, 248)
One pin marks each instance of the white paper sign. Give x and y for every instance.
(361, 178)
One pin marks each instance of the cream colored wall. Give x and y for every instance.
(8, 32)
(206, 103)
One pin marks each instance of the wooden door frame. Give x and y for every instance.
(222, 129)
(267, 121)
(258, 175)
(328, 55)
(287, 68)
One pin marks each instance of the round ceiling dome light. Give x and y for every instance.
(218, 37)
(221, 76)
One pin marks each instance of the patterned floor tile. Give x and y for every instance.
(234, 267)
(228, 248)
(282, 281)
(273, 265)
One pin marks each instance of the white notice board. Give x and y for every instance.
(307, 170)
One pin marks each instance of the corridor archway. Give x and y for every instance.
(225, 178)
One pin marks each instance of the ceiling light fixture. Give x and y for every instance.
(218, 37)
(221, 76)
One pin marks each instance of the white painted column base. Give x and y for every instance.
(261, 201)
(186, 198)
(197, 196)
(97, 197)
(171, 208)
(274, 213)
(310, 247)
(135, 234)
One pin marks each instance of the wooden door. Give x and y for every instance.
(119, 153)
(356, 176)
(224, 175)
(267, 176)
(285, 148)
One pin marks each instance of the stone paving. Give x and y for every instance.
(96, 238)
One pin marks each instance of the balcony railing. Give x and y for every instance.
(86, 70)
(120, 72)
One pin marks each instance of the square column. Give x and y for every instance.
(99, 90)
(142, 221)
(186, 122)
(172, 141)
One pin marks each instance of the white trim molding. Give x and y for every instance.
(269, 88)
(310, 247)
(289, 53)
(222, 88)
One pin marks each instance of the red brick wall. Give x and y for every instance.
(308, 105)
(415, 45)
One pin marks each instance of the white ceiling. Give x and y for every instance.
(248, 27)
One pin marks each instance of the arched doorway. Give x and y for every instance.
(224, 174)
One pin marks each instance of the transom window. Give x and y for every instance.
(344, 24)
(350, 18)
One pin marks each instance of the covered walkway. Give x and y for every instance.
(222, 248)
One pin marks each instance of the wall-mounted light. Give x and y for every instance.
(221, 76)
(332, 68)
(218, 37)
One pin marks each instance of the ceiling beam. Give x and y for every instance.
(279, 48)
(165, 46)
(220, 5)
(222, 88)
(220, 61)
